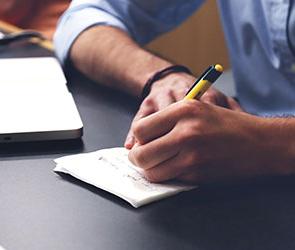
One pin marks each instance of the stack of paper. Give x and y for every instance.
(110, 170)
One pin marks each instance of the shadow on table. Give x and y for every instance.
(258, 215)
(104, 194)
(40, 148)
(252, 215)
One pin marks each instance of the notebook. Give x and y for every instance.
(110, 170)
(35, 103)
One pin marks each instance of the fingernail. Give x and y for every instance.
(129, 142)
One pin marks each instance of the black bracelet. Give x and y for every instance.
(161, 74)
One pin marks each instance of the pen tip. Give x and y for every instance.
(218, 67)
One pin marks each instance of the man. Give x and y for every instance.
(197, 141)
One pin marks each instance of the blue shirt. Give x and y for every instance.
(259, 35)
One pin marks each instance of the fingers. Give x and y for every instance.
(234, 105)
(213, 96)
(130, 140)
(153, 153)
(147, 107)
(170, 169)
(162, 122)
(164, 92)
(150, 105)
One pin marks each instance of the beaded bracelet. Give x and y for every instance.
(161, 74)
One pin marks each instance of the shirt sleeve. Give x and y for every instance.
(143, 20)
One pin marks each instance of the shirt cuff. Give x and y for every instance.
(73, 23)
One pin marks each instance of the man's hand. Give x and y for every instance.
(128, 67)
(172, 89)
(200, 142)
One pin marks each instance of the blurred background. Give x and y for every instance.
(197, 43)
(41, 15)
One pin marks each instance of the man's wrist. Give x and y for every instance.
(161, 74)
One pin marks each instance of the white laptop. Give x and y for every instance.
(35, 103)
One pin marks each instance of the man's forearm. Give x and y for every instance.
(109, 56)
(279, 138)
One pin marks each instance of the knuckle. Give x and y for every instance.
(168, 92)
(188, 136)
(171, 92)
(179, 138)
(181, 134)
(190, 107)
(214, 91)
(151, 176)
(210, 94)
(138, 129)
(198, 127)
(210, 97)
(189, 133)
(192, 159)
(140, 159)
(148, 102)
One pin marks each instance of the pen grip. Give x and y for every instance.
(198, 90)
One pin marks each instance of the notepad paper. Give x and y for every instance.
(110, 170)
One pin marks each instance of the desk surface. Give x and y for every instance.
(42, 210)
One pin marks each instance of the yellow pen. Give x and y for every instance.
(204, 82)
